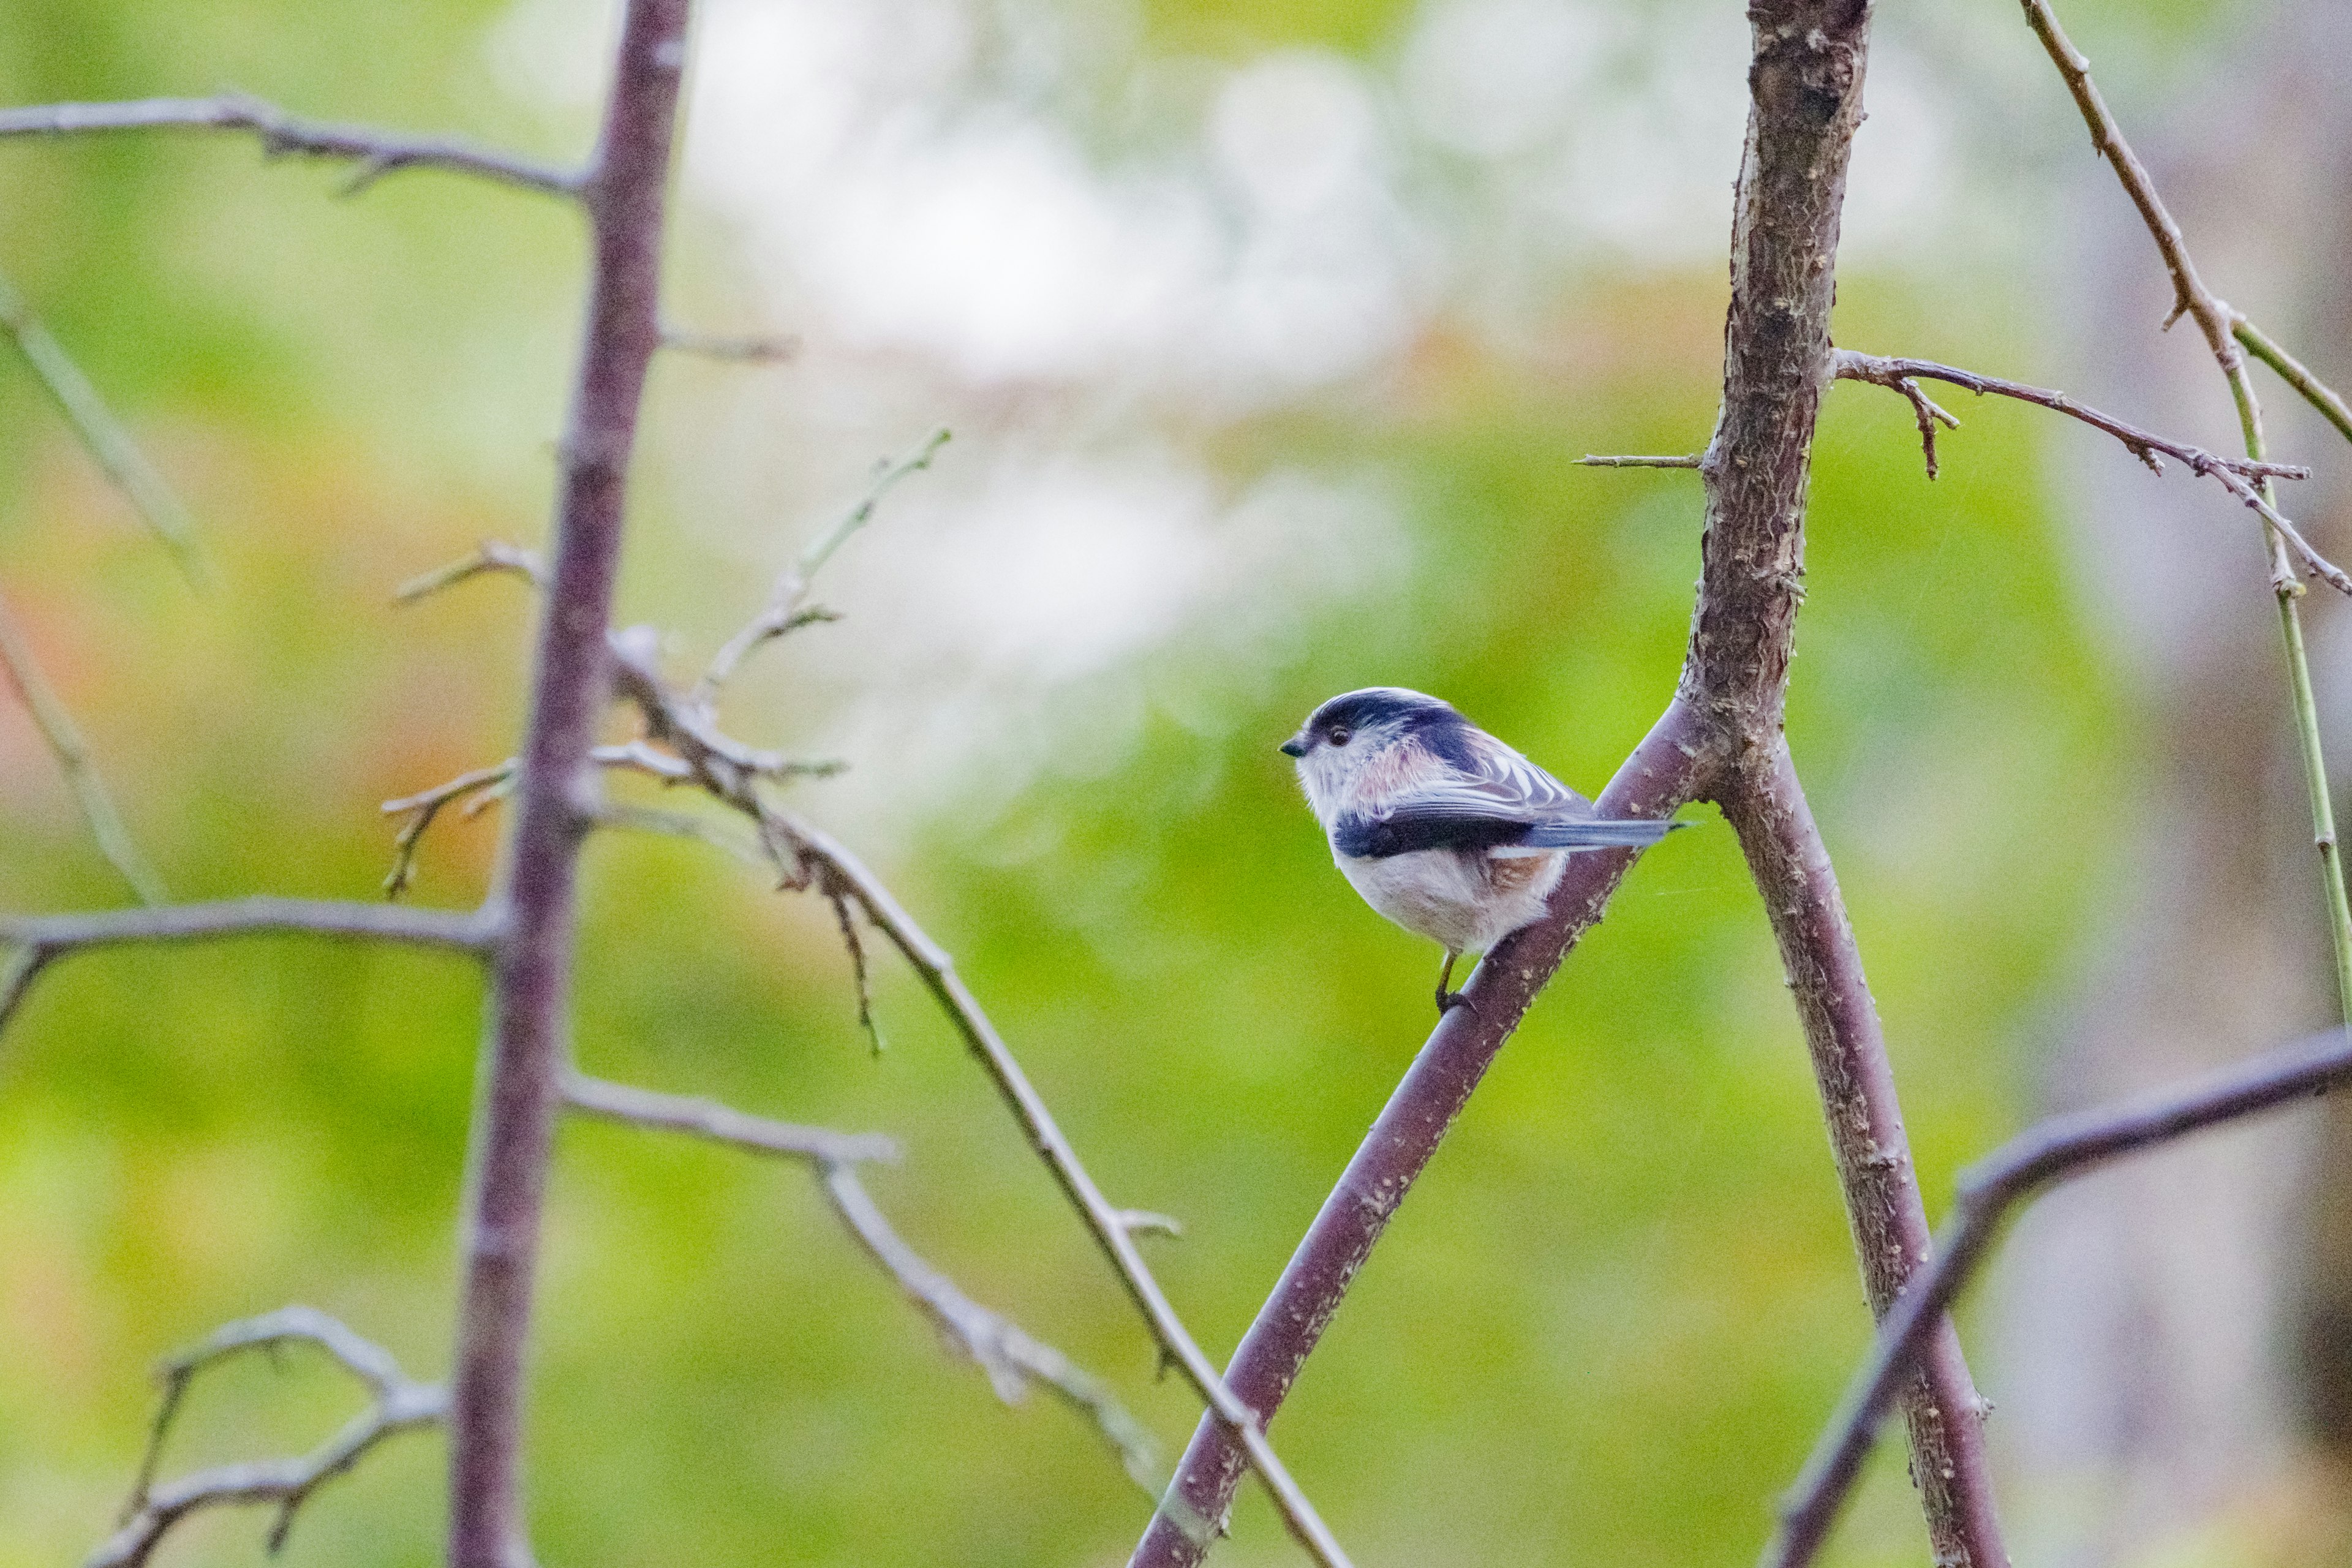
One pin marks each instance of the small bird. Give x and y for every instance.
(1442, 827)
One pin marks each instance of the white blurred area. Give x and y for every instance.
(1094, 263)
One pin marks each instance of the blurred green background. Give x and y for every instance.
(1609, 1321)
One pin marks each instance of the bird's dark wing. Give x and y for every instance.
(1499, 800)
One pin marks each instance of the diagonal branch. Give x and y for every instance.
(399, 1404)
(2293, 372)
(65, 742)
(2239, 476)
(2057, 1150)
(786, 608)
(102, 435)
(377, 153)
(1012, 1359)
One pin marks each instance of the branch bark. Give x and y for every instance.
(624, 192)
(1720, 738)
(2022, 1169)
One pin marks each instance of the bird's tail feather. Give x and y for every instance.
(1597, 833)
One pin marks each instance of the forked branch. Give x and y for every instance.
(398, 1405)
(377, 153)
(2055, 1152)
(1011, 1360)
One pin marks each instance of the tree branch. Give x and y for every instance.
(623, 190)
(2057, 1150)
(1012, 1359)
(65, 742)
(2237, 475)
(735, 348)
(1685, 461)
(399, 1406)
(1667, 769)
(102, 435)
(2293, 372)
(377, 153)
(468, 931)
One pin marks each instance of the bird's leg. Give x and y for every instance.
(1449, 999)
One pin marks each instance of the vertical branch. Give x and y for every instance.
(623, 193)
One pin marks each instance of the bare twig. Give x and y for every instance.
(2219, 324)
(1685, 461)
(17, 977)
(806, 856)
(719, 1123)
(785, 612)
(2237, 475)
(421, 809)
(494, 556)
(377, 153)
(1011, 1359)
(2056, 1150)
(740, 349)
(2293, 372)
(399, 1406)
(103, 435)
(72, 756)
(466, 930)
(624, 191)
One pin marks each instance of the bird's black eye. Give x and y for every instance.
(1339, 733)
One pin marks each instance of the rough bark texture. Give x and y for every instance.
(529, 1036)
(1721, 739)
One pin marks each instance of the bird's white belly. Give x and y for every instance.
(1461, 899)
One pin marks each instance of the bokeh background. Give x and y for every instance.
(1268, 335)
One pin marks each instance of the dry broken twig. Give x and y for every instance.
(377, 153)
(2057, 1150)
(399, 1404)
(1011, 1360)
(1680, 460)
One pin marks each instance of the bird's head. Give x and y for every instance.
(1344, 742)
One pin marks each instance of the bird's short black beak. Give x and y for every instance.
(1293, 747)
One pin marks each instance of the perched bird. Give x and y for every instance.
(1442, 827)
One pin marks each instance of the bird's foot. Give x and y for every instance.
(1449, 999)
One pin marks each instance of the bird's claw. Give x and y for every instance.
(1449, 999)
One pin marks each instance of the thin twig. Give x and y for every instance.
(2218, 323)
(804, 856)
(1011, 1358)
(733, 348)
(72, 756)
(707, 1119)
(108, 441)
(377, 153)
(17, 977)
(2293, 372)
(784, 611)
(1683, 460)
(493, 556)
(465, 931)
(423, 808)
(2244, 478)
(399, 1404)
(2056, 1150)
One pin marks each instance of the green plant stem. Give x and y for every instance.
(2294, 372)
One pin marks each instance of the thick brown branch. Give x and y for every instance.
(399, 1404)
(624, 191)
(377, 153)
(2057, 1150)
(1667, 769)
(1864, 1118)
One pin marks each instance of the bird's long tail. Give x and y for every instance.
(1597, 833)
